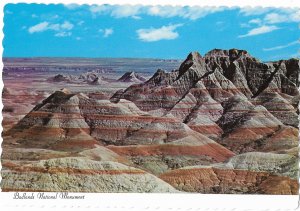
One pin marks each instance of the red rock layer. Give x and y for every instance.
(71, 139)
(67, 170)
(261, 139)
(212, 150)
(213, 180)
(208, 130)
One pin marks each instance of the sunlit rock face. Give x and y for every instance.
(224, 122)
(229, 96)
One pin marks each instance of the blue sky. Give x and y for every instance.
(37, 30)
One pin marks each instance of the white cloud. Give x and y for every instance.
(72, 6)
(194, 13)
(67, 25)
(123, 11)
(270, 18)
(133, 11)
(221, 25)
(245, 25)
(80, 23)
(154, 10)
(275, 18)
(106, 32)
(255, 21)
(164, 11)
(191, 13)
(252, 11)
(100, 9)
(38, 27)
(136, 17)
(260, 30)
(117, 11)
(62, 30)
(54, 27)
(282, 46)
(63, 34)
(295, 16)
(283, 16)
(156, 34)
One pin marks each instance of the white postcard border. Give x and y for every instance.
(134, 201)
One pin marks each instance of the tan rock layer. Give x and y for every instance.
(60, 170)
(213, 180)
(211, 150)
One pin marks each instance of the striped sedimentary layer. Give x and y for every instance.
(220, 180)
(79, 175)
(251, 172)
(99, 130)
(229, 96)
(253, 128)
(222, 123)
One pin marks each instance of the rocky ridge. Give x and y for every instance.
(226, 95)
(132, 77)
(222, 123)
(92, 78)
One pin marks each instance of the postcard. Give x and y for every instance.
(110, 100)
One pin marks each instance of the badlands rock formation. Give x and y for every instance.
(91, 78)
(79, 175)
(132, 77)
(280, 164)
(218, 180)
(72, 122)
(222, 123)
(229, 96)
(99, 130)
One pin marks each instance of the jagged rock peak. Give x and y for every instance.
(58, 97)
(160, 71)
(194, 56)
(131, 77)
(217, 52)
(65, 91)
(231, 53)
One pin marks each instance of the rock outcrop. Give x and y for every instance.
(218, 180)
(132, 77)
(79, 175)
(227, 95)
(74, 122)
(279, 164)
(222, 123)
(91, 78)
(55, 123)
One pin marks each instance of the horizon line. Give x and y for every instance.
(146, 58)
(85, 57)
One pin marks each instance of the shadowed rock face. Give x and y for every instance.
(132, 77)
(217, 180)
(228, 96)
(76, 122)
(91, 78)
(77, 125)
(222, 123)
